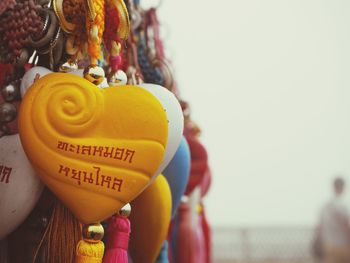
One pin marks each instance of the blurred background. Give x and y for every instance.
(268, 82)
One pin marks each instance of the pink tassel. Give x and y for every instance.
(117, 240)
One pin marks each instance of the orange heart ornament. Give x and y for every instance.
(96, 149)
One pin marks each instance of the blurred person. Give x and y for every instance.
(334, 228)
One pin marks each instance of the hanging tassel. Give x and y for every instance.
(199, 243)
(61, 235)
(91, 248)
(88, 252)
(207, 235)
(118, 237)
(163, 255)
(185, 251)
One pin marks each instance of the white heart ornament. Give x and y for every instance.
(175, 117)
(20, 188)
(30, 76)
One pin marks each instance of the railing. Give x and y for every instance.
(264, 244)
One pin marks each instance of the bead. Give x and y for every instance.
(8, 112)
(10, 92)
(125, 211)
(117, 78)
(93, 232)
(94, 74)
(68, 67)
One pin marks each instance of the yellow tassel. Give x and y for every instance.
(88, 252)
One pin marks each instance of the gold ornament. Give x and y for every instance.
(116, 78)
(94, 74)
(93, 233)
(125, 211)
(68, 67)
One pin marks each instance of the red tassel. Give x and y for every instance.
(117, 240)
(207, 235)
(185, 251)
(192, 241)
(199, 245)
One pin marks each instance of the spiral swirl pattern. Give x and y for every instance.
(69, 111)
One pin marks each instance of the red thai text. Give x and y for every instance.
(122, 154)
(5, 173)
(94, 177)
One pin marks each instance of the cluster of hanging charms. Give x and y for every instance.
(89, 77)
(188, 239)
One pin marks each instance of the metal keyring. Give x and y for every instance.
(49, 34)
(57, 51)
(52, 44)
(54, 50)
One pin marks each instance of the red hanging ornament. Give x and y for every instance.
(199, 163)
(185, 252)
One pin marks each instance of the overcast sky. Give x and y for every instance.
(269, 84)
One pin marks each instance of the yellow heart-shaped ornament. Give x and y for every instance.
(96, 149)
(150, 218)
